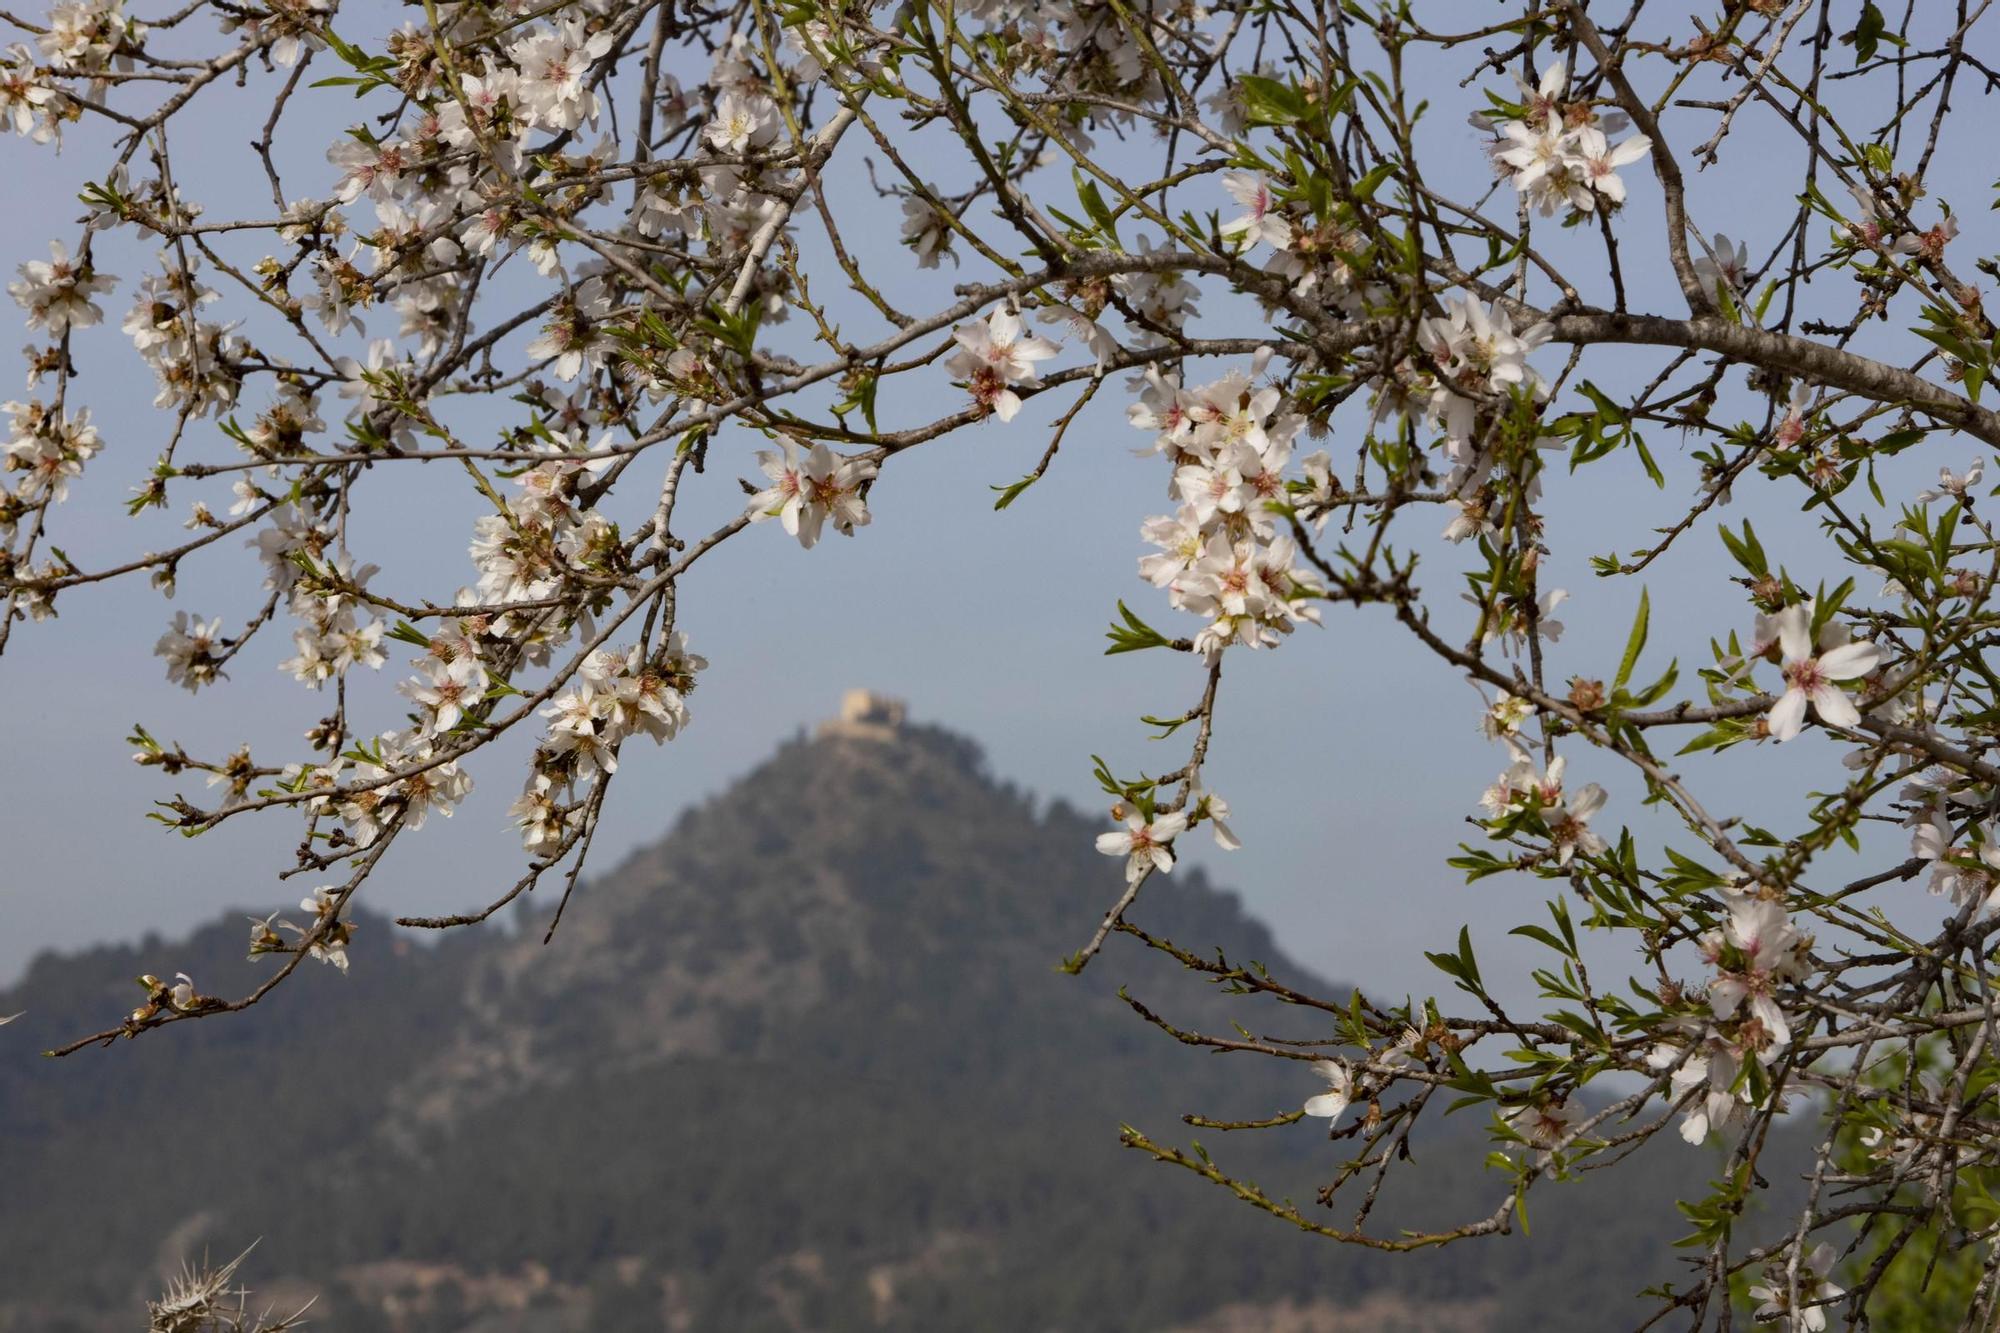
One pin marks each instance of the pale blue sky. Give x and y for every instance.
(1351, 758)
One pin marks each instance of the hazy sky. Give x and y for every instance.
(1350, 756)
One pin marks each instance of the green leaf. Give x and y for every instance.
(1941, 536)
(1093, 204)
(1727, 300)
(1657, 691)
(1749, 552)
(1134, 635)
(1461, 966)
(1764, 301)
(1560, 910)
(1010, 492)
(1541, 933)
(1606, 409)
(1646, 461)
(1720, 736)
(1868, 34)
(1365, 187)
(1635, 643)
(1478, 864)
(1270, 102)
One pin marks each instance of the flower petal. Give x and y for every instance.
(1787, 715)
(1794, 626)
(1849, 660)
(1834, 707)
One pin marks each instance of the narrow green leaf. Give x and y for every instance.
(1635, 642)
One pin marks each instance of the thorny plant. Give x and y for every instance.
(202, 1299)
(615, 228)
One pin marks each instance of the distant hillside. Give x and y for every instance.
(803, 1065)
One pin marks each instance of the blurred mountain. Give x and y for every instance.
(803, 1066)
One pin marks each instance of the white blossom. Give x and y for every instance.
(1814, 677)
(808, 489)
(994, 357)
(1144, 843)
(1258, 223)
(1339, 1093)
(57, 292)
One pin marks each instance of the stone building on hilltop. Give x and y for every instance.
(866, 715)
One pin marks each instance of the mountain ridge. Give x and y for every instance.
(803, 1063)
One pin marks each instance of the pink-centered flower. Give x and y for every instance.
(1814, 678)
(994, 357)
(1144, 843)
(1258, 222)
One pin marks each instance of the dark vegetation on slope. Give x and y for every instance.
(805, 1064)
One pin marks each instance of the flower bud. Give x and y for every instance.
(1586, 695)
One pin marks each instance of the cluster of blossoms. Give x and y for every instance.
(1557, 153)
(1544, 1123)
(1874, 228)
(735, 202)
(49, 449)
(545, 538)
(1222, 555)
(612, 696)
(290, 26)
(1562, 817)
(808, 489)
(441, 190)
(1476, 357)
(1532, 801)
(326, 938)
(1914, 1141)
(1949, 832)
(399, 778)
(1321, 256)
(1090, 47)
(30, 102)
(322, 589)
(196, 363)
(1471, 371)
(88, 38)
(82, 40)
(1348, 1082)
(329, 639)
(1756, 952)
(57, 293)
(1773, 1295)
(439, 193)
(194, 651)
(179, 998)
(46, 445)
(1162, 298)
(995, 356)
